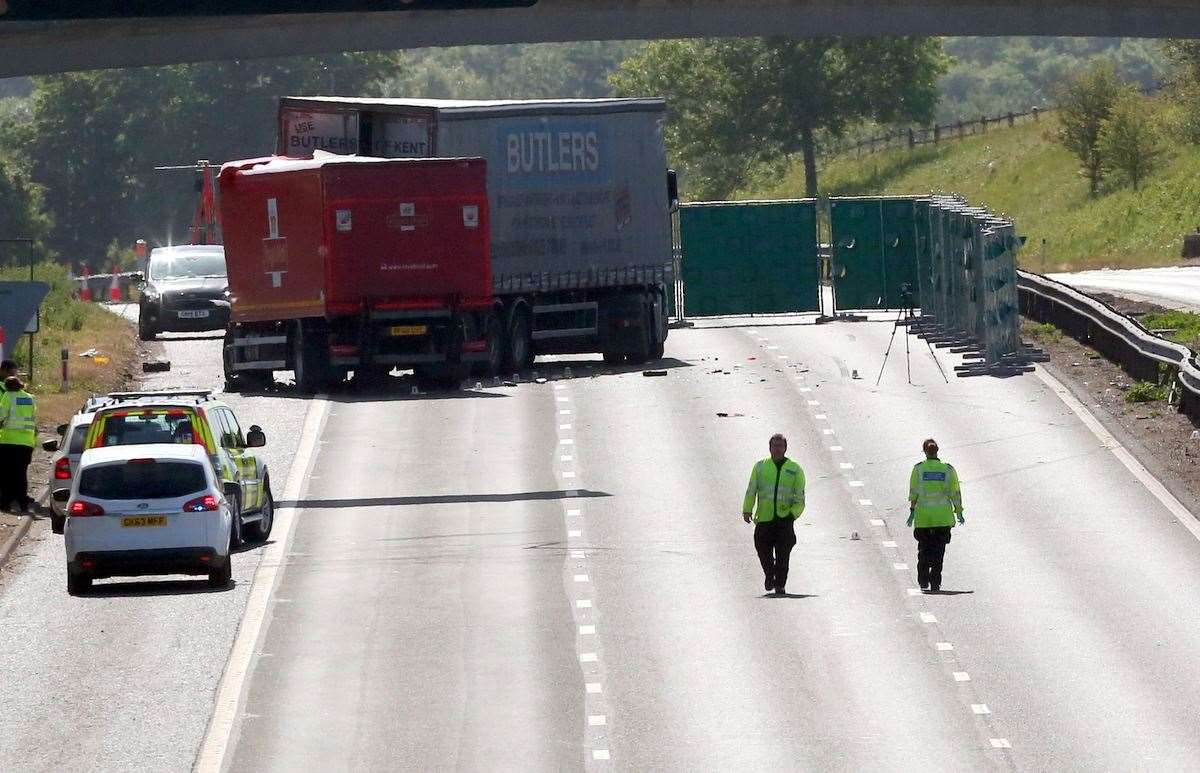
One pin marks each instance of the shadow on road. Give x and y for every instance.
(789, 596)
(246, 547)
(948, 592)
(154, 588)
(449, 499)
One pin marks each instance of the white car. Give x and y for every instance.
(147, 509)
(63, 463)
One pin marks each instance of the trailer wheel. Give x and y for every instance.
(519, 352)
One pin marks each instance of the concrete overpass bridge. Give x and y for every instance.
(36, 38)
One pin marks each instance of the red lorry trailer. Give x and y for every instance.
(341, 263)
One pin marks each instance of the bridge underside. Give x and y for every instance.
(28, 48)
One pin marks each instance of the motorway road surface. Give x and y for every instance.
(1175, 287)
(556, 576)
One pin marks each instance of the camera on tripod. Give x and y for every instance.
(906, 295)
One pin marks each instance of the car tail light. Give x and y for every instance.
(62, 469)
(82, 509)
(201, 504)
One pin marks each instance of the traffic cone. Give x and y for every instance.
(114, 288)
(85, 290)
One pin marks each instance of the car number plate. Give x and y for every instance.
(193, 314)
(138, 521)
(409, 330)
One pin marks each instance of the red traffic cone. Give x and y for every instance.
(85, 289)
(114, 288)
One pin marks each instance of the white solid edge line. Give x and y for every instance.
(1147, 479)
(231, 690)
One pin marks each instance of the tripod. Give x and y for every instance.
(907, 350)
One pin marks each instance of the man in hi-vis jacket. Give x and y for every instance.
(777, 486)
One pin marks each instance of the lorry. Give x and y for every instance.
(580, 205)
(349, 263)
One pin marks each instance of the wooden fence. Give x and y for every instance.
(914, 136)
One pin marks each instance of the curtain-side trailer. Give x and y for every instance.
(580, 200)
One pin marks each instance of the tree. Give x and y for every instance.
(1130, 142)
(736, 102)
(543, 70)
(1084, 104)
(21, 215)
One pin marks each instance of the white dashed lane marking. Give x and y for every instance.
(962, 676)
(583, 604)
(944, 646)
(980, 708)
(928, 618)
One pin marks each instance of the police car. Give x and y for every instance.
(195, 418)
(147, 509)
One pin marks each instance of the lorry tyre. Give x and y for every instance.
(495, 347)
(310, 361)
(519, 352)
(643, 348)
(655, 337)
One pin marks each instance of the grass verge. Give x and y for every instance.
(1025, 173)
(76, 326)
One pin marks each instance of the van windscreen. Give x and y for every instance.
(142, 480)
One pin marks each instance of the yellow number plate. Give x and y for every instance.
(409, 330)
(144, 520)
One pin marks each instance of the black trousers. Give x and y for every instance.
(774, 541)
(14, 475)
(931, 549)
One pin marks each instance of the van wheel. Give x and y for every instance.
(78, 584)
(235, 527)
(261, 529)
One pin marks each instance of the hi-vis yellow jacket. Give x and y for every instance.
(934, 493)
(778, 491)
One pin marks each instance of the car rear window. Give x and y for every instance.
(135, 429)
(142, 480)
(78, 436)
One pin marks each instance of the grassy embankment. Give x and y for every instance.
(1024, 173)
(77, 326)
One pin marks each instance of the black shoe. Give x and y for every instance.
(779, 591)
(769, 585)
(935, 588)
(925, 586)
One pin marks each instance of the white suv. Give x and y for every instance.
(147, 509)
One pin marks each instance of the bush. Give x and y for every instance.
(1145, 392)
(1043, 331)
